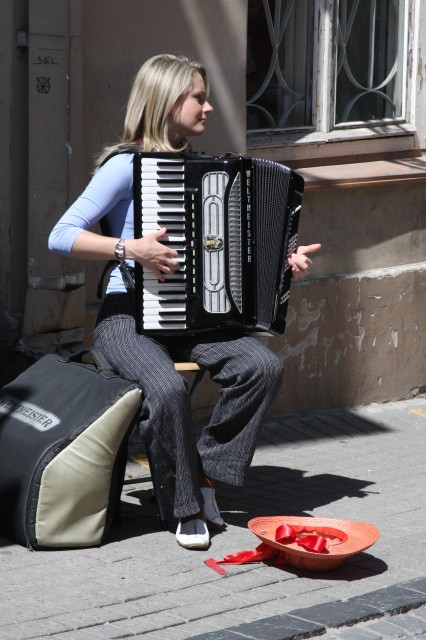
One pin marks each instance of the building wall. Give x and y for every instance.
(216, 38)
(13, 169)
(356, 330)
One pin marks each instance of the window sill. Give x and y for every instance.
(314, 148)
(357, 174)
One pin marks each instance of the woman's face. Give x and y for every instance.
(189, 114)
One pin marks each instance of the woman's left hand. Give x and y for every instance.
(299, 262)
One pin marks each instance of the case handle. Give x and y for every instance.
(98, 358)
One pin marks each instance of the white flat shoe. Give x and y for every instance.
(211, 510)
(193, 534)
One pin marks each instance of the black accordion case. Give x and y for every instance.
(64, 426)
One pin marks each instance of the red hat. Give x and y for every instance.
(343, 538)
(313, 544)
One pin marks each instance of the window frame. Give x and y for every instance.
(325, 140)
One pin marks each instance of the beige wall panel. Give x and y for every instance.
(119, 36)
(368, 344)
(349, 341)
(365, 227)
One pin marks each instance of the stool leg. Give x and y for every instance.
(196, 383)
(157, 490)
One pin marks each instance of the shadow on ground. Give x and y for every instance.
(337, 424)
(270, 490)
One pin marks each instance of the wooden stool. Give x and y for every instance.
(182, 367)
(199, 374)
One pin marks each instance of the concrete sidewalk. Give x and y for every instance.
(366, 464)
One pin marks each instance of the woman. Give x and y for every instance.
(169, 104)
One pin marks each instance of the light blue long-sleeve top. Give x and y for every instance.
(110, 194)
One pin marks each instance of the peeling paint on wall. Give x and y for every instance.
(360, 337)
(298, 350)
(307, 315)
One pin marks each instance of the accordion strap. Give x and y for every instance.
(127, 273)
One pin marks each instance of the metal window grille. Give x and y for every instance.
(352, 51)
(279, 63)
(370, 69)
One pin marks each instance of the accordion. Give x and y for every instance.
(233, 221)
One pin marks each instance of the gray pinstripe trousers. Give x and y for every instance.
(249, 375)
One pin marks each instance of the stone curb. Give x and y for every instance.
(315, 621)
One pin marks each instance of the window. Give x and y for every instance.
(279, 64)
(370, 61)
(329, 70)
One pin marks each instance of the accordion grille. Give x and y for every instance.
(235, 250)
(271, 187)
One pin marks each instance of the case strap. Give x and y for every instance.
(98, 358)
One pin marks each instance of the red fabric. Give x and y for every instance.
(285, 534)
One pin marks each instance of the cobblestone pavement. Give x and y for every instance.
(364, 464)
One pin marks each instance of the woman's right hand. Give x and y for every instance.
(152, 254)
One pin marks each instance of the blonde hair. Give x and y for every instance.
(159, 83)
